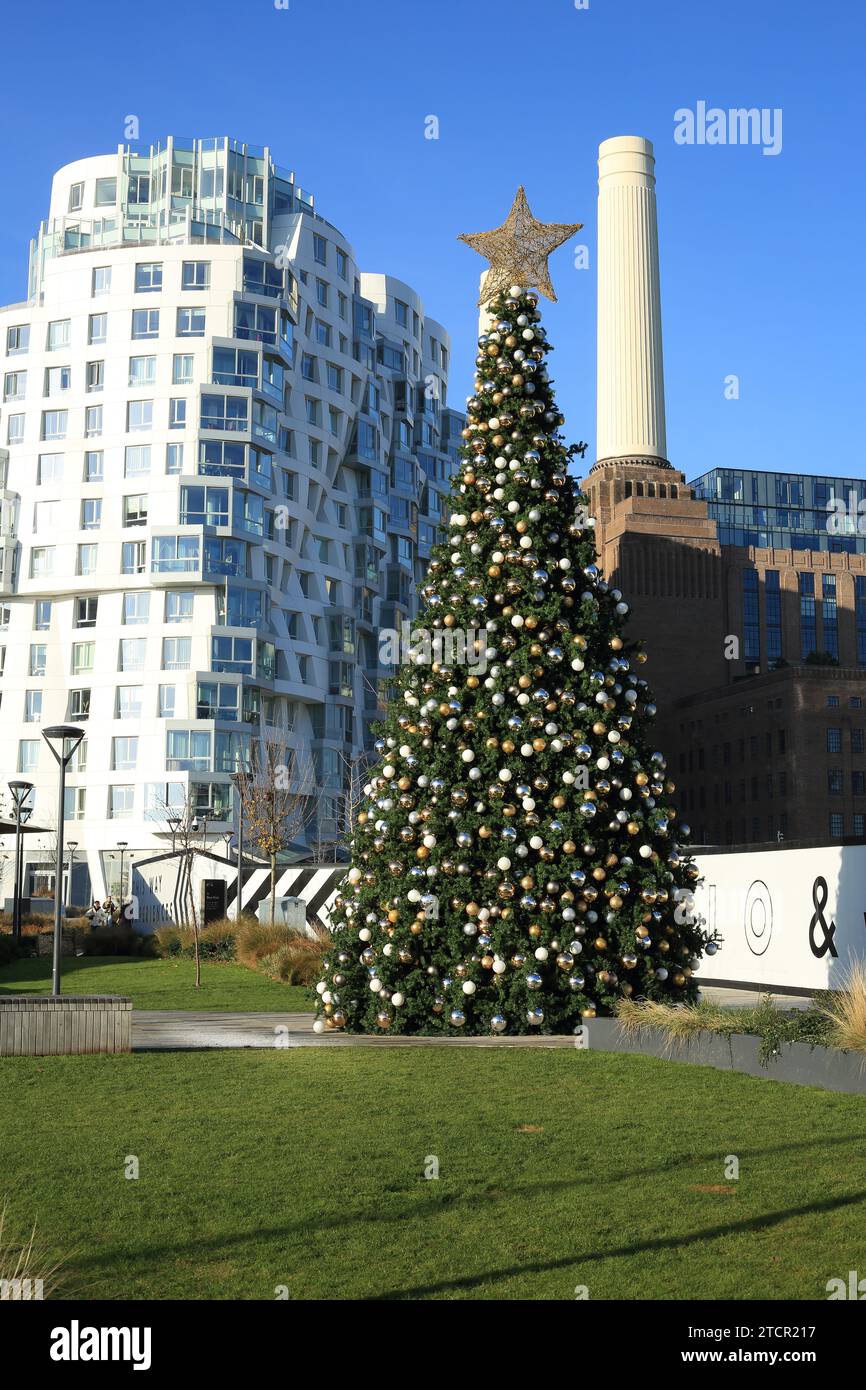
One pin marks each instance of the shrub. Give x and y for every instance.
(298, 961)
(117, 941)
(22, 1261)
(216, 940)
(845, 1010)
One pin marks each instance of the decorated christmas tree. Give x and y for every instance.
(516, 862)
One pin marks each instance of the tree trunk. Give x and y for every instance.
(273, 888)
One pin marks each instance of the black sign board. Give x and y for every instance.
(213, 899)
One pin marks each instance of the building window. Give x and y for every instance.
(834, 781)
(106, 193)
(101, 280)
(121, 802)
(14, 429)
(76, 197)
(837, 825)
(28, 754)
(190, 323)
(176, 653)
(94, 376)
(860, 615)
(856, 740)
(38, 658)
(41, 561)
(830, 615)
(188, 750)
(135, 509)
(133, 557)
(751, 618)
(148, 277)
(808, 637)
(195, 275)
(85, 611)
(58, 335)
(858, 782)
(179, 606)
(145, 323)
(174, 458)
(93, 466)
(85, 559)
(834, 740)
(177, 413)
(54, 424)
(139, 416)
(142, 371)
(132, 653)
(91, 513)
(97, 328)
(124, 753)
(57, 379)
(42, 615)
(14, 386)
(166, 701)
(182, 368)
(322, 293)
(136, 457)
(82, 657)
(136, 608)
(93, 422)
(129, 698)
(79, 704)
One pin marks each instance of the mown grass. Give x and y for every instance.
(159, 984)
(305, 1169)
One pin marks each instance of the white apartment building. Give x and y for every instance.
(224, 455)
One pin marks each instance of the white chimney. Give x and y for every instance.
(631, 393)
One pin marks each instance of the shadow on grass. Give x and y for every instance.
(755, 1223)
(31, 970)
(145, 1254)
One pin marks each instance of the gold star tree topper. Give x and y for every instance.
(518, 250)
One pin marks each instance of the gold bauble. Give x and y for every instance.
(599, 728)
(539, 744)
(449, 620)
(600, 943)
(494, 571)
(598, 873)
(508, 745)
(422, 852)
(616, 644)
(569, 847)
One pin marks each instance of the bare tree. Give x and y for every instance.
(348, 798)
(277, 794)
(186, 830)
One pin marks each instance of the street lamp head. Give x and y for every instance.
(72, 846)
(63, 740)
(20, 791)
(122, 844)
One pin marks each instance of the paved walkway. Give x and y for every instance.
(172, 1030)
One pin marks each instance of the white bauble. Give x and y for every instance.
(327, 997)
(565, 563)
(321, 987)
(504, 774)
(319, 1026)
(536, 842)
(376, 985)
(468, 987)
(498, 966)
(467, 755)
(398, 999)
(503, 863)
(541, 953)
(364, 934)
(645, 851)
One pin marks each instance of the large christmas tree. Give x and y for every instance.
(515, 863)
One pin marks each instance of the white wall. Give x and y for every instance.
(763, 902)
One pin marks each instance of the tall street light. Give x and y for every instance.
(121, 845)
(173, 825)
(20, 791)
(63, 740)
(72, 846)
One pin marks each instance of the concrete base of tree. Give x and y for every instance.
(43, 1026)
(796, 1062)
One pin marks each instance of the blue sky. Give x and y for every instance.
(761, 256)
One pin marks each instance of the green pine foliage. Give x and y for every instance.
(515, 862)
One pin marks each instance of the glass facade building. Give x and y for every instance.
(785, 511)
(225, 453)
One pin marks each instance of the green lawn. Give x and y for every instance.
(158, 984)
(304, 1168)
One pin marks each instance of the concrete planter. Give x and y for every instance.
(797, 1062)
(34, 1026)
